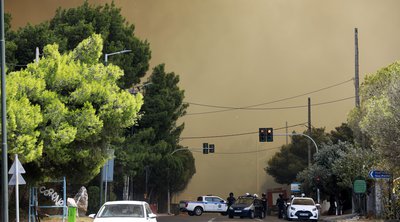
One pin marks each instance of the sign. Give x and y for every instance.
(379, 174)
(16, 179)
(16, 170)
(108, 171)
(360, 186)
(295, 187)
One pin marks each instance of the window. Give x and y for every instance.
(122, 210)
(303, 202)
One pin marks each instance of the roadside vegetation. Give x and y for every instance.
(67, 110)
(368, 141)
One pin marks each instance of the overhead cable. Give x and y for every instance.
(228, 108)
(236, 134)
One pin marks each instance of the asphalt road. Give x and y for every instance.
(213, 218)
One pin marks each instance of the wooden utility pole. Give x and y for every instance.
(287, 137)
(356, 77)
(309, 131)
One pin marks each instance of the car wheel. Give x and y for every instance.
(190, 213)
(230, 216)
(198, 211)
(224, 213)
(251, 214)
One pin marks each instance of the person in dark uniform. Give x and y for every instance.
(264, 202)
(231, 199)
(280, 202)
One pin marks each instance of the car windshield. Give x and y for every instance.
(303, 202)
(245, 200)
(122, 210)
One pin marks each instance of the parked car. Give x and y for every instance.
(247, 206)
(121, 211)
(208, 204)
(302, 208)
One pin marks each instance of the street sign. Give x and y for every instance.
(379, 174)
(108, 171)
(16, 179)
(359, 186)
(295, 187)
(16, 170)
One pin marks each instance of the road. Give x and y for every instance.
(213, 218)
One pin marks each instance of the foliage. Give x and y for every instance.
(378, 116)
(293, 158)
(71, 26)
(66, 111)
(157, 135)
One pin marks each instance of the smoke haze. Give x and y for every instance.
(239, 53)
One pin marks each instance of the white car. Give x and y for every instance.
(303, 208)
(124, 211)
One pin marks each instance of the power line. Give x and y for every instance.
(236, 134)
(284, 107)
(228, 108)
(243, 152)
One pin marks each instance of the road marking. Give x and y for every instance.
(212, 219)
(259, 219)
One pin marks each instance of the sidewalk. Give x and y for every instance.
(339, 217)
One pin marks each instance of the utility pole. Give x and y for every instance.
(309, 131)
(287, 137)
(4, 152)
(356, 78)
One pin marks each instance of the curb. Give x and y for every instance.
(337, 218)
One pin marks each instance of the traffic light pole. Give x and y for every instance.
(316, 148)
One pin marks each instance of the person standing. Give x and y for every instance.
(264, 203)
(231, 199)
(280, 202)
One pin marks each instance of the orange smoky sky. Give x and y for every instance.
(239, 53)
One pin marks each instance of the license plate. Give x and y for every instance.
(304, 214)
(238, 211)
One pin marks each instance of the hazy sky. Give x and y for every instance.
(238, 53)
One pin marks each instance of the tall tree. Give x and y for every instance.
(292, 158)
(70, 26)
(378, 116)
(157, 134)
(66, 111)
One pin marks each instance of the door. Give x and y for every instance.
(209, 204)
(219, 205)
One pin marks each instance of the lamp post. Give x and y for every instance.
(114, 53)
(4, 165)
(101, 174)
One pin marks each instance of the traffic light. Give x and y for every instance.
(318, 182)
(205, 148)
(262, 134)
(270, 134)
(211, 148)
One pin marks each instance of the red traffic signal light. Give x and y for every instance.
(270, 134)
(262, 134)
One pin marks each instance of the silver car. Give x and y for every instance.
(124, 211)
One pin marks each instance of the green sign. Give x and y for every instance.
(359, 186)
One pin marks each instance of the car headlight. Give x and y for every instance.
(231, 208)
(247, 208)
(292, 208)
(314, 209)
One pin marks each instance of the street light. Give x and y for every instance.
(101, 174)
(114, 53)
